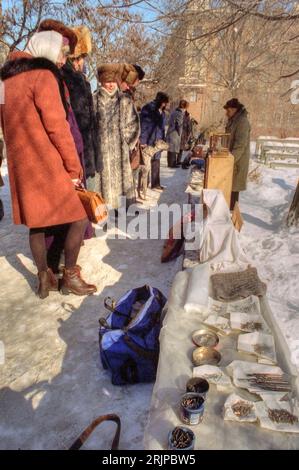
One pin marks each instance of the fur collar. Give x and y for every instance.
(26, 64)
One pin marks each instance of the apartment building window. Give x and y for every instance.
(193, 97)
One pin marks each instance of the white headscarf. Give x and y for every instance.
(46, 44)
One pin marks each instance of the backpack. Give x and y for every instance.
(129, 341)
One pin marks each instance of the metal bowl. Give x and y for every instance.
(203, 355)
(206, 338)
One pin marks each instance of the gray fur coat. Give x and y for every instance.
(119, 130)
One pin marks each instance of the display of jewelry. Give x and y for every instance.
(260, 344)
(238, 409)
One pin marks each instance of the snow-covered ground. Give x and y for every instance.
(273, 247)
(51, 383)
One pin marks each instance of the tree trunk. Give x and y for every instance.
(293, 215)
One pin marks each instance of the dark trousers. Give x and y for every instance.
(234, 198)
(172, 159)
(55, 240)
(155, 176)
(1, 210)
(180, 157)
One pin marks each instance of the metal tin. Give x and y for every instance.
(172, 446)
(202, 356)
(191, 416)
(205, 338)
(198, 385)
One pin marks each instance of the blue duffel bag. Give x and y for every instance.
(129, 336)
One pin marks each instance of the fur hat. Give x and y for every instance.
(59, 27)
(233, 103)
(84, 41)
(110, 72)
(129, 74)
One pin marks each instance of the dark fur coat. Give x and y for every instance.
(82, 105)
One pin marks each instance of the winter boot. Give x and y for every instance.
(72, 283)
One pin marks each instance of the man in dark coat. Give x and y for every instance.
(153, 122)
(174, 134)
(238, 127)
(82, 102)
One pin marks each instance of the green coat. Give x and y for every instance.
(239, 129)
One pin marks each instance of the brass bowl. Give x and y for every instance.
(205, 337)
(206, 356)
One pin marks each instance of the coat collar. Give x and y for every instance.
(21, 62)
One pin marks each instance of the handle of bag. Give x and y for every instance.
(103, 323)
(110, 304)
(140, 351)
(87, 432)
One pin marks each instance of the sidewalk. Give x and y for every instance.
(52, 384)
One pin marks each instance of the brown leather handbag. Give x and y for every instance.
(135, 157)
(87, 432)
(94, 205)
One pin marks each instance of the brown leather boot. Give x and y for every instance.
(72, 283)
(47, 283)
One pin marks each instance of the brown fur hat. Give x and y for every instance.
(54, 25)
(129, 74)
(110, 72)
(83, 46)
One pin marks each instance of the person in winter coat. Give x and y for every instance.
(118, 135)
(187, 133)
(43, 163)
(1, 180)
(238, 127)
(128, 85)
(153, 123)
(174, 134)
(82, 102)
(56, 235)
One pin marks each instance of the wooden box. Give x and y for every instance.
(219, 173)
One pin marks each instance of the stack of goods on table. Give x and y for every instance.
(196, 180)
(222, 359)
(270, 399)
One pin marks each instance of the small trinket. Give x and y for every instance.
(241, 409)
(181, 439)
(270, 382)
(251, 326)
(206, 356)
(282, 416)
(198, 385)
(262, 350)
(192, 403)
(192, 408)
(206, 338)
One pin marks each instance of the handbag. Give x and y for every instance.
(135, 157)
(87, 432)
(94, 205)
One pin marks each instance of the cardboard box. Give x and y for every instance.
(219, 173)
